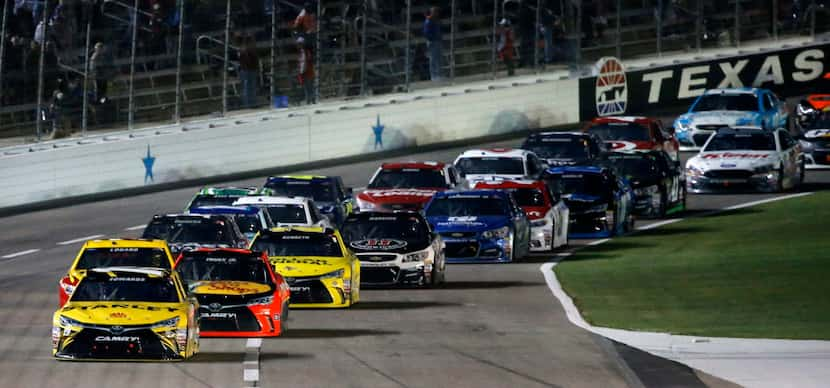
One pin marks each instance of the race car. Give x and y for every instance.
(815, 140)
(114, 252)
(746, 159)
(218, 196)
(565, 148)
(407, 185)
(249, 219)
(395, 249)
(126, 313)
(659, 182)
(717, 108)
(479, 226)
(288, 211)
(624, 133)
(811, 108)
(185, 232)
(546, 211)
(498, 164)
(600, 202)
(238, 292)
(320, 270)
(331, 196)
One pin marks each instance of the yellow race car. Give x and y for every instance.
(127, 313)
(111, 253)
(319, 269)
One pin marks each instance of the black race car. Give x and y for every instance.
(565, 148)
(395, 249)
(659, 182)
(184, 232)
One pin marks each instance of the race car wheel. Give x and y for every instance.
(780, 186)
(801, 173)
(661, 211)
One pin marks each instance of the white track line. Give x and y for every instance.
(80, 239)
(250, 364)
(137, 227)
(21, 253)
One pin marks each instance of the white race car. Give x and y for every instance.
(498, 164)
(288, 211)
(748, 159)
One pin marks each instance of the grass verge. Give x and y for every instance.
(758, 272)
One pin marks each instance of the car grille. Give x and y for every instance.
(146, 345)
(700, 139)
(224, 300)
(452, 235)
(234, 319)
(462, 249)
(378, 258)
(308, 290)
(382, 275)
(728, 174)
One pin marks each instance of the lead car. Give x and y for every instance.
(395, 249)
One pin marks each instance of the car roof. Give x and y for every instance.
(737, 130)
(577, 169)
(303, 229)
(561, 134)
(220, 210)
(511, 184)
(472, 193)
(496, 152)
(132, 271)
(126, 243)
(271, 200)
(310, 178)
(744, 90)
(227, 191)
(642, 120)
(429, 165)
(228, 251)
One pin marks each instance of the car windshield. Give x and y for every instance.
(633, 166)
(408, 228)
(126, 288)
(620, 131)
(287, 214)
(576, 183)
(320, 191)
(132, 257)
(558, 147)
(741, 141)
(529, 197)
(298, 244)
(203, 231)
(491, 166)
(196, 266)
(736, 102)
(467, 206)
(248, 223)
(202, 200)
(408, 178)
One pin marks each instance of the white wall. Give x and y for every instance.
(248, 142)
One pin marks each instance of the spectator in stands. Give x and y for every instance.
(305, 70)
(248, 71)
(305, 24)
(101, 68)
(432, 33)
(506, 45)
(158, 32)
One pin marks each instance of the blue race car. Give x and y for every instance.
(479, 226)
(601, 203)
(332, 198)
(717, 108)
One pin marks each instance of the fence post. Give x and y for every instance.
(618, 50)
(40, 65)
(177, 115)
(363, 48)
(131, 104)
(225, 59)
(85, 104)
(318, 52)
(408, 58)
(452, 42)
(493, 40)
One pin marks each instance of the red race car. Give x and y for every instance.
(407, 186)
(548, 214)
(239, 293)
(623, 133)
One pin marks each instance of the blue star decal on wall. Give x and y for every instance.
(378, 130)
(148, 161)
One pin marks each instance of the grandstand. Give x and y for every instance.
(348, 65)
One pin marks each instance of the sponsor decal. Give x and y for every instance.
(116, 338)
(221, 260)
(619, 145)
(400, 193)
(123, 249)
(378, 244)
(229, 287)
(731, 155)
(295, 237)
(127, 279)
(462, 219)
(728, 165)
(218, 315)
(294, 260)
(118, 315)
(300, 288)
(789, 72)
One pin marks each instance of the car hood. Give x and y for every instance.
(468, 224)
(555, 162)
(408, 196)
(228, 287)
(720, 117)
(177, 247)
(626, 145)
(741, 160)
(121, 313)
(536, 212)
(581, 203)
(307, 265)
(472, 179)
(387, 245)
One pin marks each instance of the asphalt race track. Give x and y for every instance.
(491, 326)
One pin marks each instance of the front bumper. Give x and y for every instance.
(97, 344)
(388, 270)
(590, 225)
(647, 205)
(317, 292)
(476, 250)
(541, 238)
(749, 182)
(818, 159)
(241, 321)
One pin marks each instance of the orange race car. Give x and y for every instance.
(239, 293)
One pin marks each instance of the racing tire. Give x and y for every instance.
(664, 198)
(801, 175)
(780, 186)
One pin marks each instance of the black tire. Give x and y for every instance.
(664, 199)
(780, 186)
(802, 174)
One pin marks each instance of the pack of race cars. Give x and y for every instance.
(236, 260)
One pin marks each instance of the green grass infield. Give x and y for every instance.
(759, 272)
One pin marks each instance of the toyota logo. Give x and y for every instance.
(116, 329)
(215, 306)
